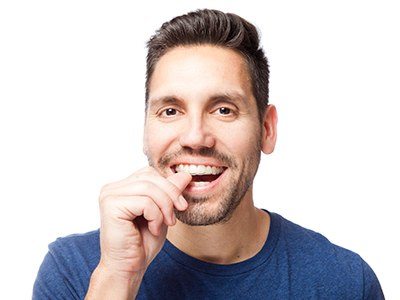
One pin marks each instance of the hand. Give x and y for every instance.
(135, 213)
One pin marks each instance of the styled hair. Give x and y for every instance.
(213, 27)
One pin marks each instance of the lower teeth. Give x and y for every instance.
(199, 183)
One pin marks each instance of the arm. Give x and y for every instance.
(105, 285)
(50, 282)
(372, 287)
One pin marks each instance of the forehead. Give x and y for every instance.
(194, 72)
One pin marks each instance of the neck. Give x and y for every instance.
(238, 239)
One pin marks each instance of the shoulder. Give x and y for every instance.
(85, 244)
(66, 269)
(311, 244)
(320, 261)
(77, 252)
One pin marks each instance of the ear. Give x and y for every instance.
(269, 127)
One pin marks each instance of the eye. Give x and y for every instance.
(226, 113)
(224, 110)
(169, 112)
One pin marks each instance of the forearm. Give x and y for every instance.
(105, 285)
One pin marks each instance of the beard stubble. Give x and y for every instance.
(199, 212)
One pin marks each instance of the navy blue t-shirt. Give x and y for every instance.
(294, 263)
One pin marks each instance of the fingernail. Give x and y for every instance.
(182, 201)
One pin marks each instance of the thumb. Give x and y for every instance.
(180, 180)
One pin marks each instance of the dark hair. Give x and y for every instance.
(214, 27)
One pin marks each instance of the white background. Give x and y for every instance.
(71, 115)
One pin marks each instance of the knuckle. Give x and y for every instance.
(147, 202)
(150, 205)
(151, 209)
(105, 187)
(105, 208)
(166, 206)
(104, 198)
(161, 201)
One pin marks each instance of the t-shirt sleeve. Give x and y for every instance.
(50, 283)
(67, 267)
(372, 287)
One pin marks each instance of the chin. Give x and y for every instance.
(203, 211)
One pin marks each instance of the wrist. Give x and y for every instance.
(106, 270)
(106, 283)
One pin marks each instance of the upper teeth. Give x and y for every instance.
(199, 169)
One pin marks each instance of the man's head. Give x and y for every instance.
(202, 114)
(216, 28)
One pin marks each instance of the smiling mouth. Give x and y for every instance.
(202, 175)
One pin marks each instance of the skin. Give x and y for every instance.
(138, 213)
(193, 76)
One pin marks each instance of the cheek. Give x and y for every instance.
(158, 138)
(241, 139)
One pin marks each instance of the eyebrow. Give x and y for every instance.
(171, 99)
(235, 97)
(231, 96)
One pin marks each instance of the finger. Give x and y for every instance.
(181, 180)
(146, 228)
(142, 173)
(171, 186)
(133, 177)
(128, 208)
(149, 189)
(154, 225)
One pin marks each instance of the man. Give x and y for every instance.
(186, 227)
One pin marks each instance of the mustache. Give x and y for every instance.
(203, 152)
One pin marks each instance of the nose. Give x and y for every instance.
(196, 134)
